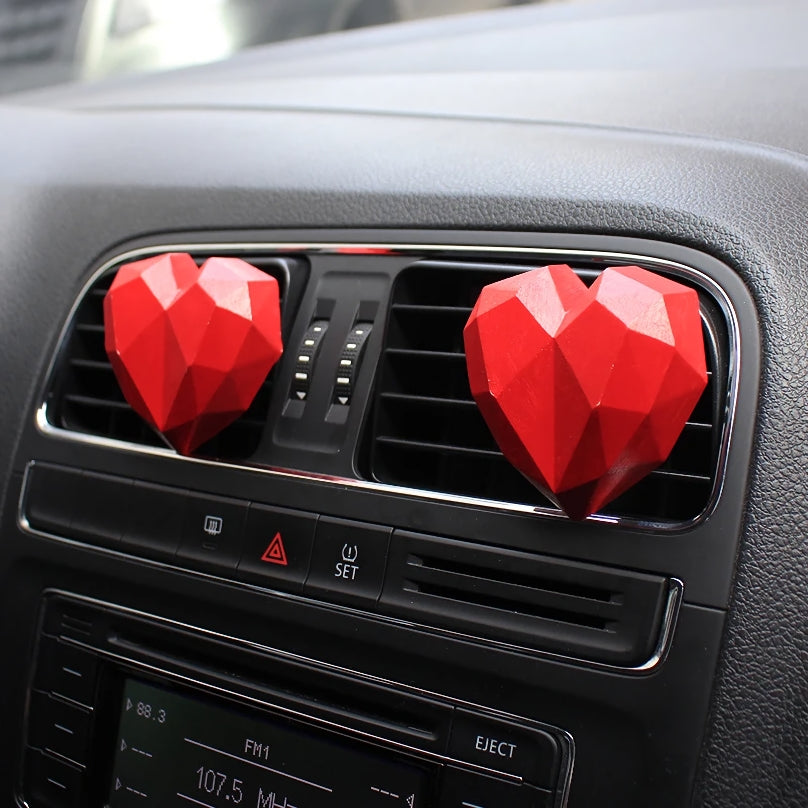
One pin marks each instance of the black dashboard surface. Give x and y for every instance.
(683, 126)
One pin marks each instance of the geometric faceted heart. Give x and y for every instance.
(585, 389)
(191, 346)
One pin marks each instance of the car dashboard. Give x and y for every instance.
(349, 596)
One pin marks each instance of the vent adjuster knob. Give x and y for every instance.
(349, 360)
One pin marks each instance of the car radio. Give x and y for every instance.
(128, 709)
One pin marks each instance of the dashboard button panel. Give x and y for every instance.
(530, 601)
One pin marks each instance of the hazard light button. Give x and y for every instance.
(277, 547)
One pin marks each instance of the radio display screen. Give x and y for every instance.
(179, 750)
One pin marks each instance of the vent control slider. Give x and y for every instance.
(306, 356)
(348, 365)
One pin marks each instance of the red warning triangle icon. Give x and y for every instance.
(276, 552)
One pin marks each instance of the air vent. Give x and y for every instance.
(577, 610)
(428, 434)
(86, 396)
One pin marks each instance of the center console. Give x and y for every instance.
(349, 597)
(126, 709)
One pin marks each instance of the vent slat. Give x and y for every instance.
(419, 447)
(425, 422)
(497, 604)
(91, 364)
(416, 308)
(422, 446)
(679, 475)
(103, 403)
(561, 582)
(697, 425)
(413, 400)
(431, 400)
(514, 597)
(414, 353)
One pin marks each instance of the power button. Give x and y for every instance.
(348, 562)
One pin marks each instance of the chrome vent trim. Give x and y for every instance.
(45, 426)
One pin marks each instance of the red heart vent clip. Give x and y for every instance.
(586, 389)
(190, 347)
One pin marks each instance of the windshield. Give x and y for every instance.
(45, 42)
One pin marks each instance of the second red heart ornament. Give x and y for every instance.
(586, 390)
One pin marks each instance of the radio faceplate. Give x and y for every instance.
(128, 709)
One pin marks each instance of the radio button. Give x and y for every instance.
(50, 783)
(66, 671)
(349, 561)
(462, 789)
(277, 547)
(212, 532)
(59, 728)
(513, 748)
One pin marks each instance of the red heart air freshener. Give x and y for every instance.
(191, 346)
(586, 389)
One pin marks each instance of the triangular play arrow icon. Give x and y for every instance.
(276, 552)
(123, 745)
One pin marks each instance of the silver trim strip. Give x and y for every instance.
(44, 425)
(670, 614)
(564, 780)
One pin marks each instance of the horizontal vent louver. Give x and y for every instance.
(427, 432)
(578, 610)
(86, 396)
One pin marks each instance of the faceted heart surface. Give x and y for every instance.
(586, 390)
(191, 346)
